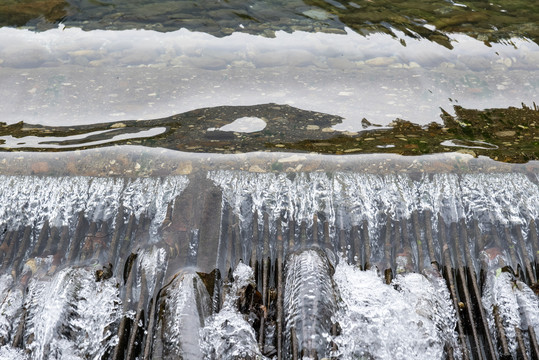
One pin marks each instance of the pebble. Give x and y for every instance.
(185, 168)
(317, 14)
(507, 133)
(256, 169)
(292, 158)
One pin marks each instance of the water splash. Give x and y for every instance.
(228, 335)
(71, 316)
(11, 301)
(515, 302)
(410, 319)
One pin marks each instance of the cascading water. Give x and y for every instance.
(238, 265)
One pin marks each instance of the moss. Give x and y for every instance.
(511, 134)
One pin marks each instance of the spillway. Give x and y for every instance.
(231, 264)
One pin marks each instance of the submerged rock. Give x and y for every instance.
(184, 305)
(309, 303)
(229, 334)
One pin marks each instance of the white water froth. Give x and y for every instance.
(272, 193)
(71, 316)
(11, 300)
(516, 303)
(29, 200)
(153, 261)
(228, 335)
(410, 319)
(497, 197)
(9, 353)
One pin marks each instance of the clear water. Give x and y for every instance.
(61, 199)
(76, 74)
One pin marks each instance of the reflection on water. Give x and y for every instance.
(431, 19)
(68, 76)
(74, 141)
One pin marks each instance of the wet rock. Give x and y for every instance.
(18, 13)
(506, 133)
(308, 286)
(184, 168)
(184, 306)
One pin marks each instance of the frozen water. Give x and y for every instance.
(345, 198)
(11, 300)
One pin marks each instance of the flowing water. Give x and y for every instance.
(229, 264)
(162, 195)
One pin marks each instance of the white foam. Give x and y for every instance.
(29, 200)
(379, 321)
(71, 316)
